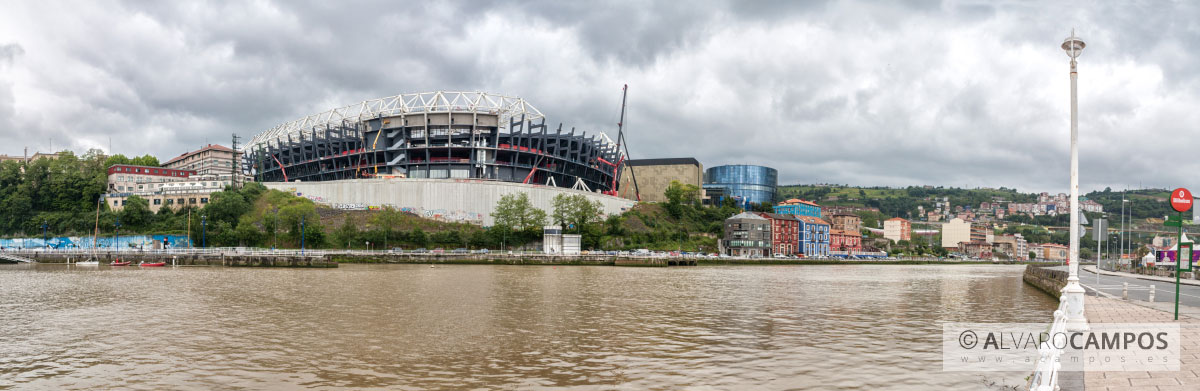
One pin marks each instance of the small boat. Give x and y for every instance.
(88, 263)
(119, 263)
(152, 264)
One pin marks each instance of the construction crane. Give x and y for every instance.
(620, 139)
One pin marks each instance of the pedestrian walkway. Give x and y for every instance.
(1106, 310)
(1092, 269)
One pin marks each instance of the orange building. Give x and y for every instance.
(842, 240)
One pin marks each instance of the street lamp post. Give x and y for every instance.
(275, 230)
(1074, 292)
(1122, 235)
(117, 235)
(301, 235)
(204, 231)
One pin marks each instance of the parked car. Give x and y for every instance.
(439, 250)
(480, 251)
(461, 251)
(613, 252)
(421, 250)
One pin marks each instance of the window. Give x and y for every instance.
(180, 201)
(191, 200)
(122, 202)
(204, 200)
(157, 201)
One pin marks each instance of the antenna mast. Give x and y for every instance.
(620, 138)
(235, 167)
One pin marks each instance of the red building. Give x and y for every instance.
(840, 240)
(785, 233)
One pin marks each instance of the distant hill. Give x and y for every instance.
(900, 202)
(903, 202)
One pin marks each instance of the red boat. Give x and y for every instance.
(155, 264)
(119, 263)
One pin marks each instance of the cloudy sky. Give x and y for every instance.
(955, 93)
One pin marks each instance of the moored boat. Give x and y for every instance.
(152, 264)
(119, 263)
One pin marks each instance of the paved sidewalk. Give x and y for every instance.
(1092, 269)
(1106, 310)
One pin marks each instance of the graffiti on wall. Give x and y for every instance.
(457, 216)
(102, 242)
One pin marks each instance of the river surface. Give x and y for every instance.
(412, 327)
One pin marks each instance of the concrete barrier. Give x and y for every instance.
(1048, 280)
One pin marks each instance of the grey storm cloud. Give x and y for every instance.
(866, 93)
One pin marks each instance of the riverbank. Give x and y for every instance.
(185, 259)
(585, 260)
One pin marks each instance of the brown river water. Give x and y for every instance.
(412, 327)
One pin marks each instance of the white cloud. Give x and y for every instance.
(844, 92)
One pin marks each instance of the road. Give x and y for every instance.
(1139, 289)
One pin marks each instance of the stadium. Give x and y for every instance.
(420, 143)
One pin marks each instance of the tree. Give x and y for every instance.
(247, 234)
(418, 238)
(386, 219)
(115, 160)
(136, 213)
(762, 207)
(227, 206)
(515, 211)
(145, 160)
(680, 195)
(1032, 255)
(346, 233)
(576, 211)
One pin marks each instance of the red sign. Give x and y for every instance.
(1181, 200)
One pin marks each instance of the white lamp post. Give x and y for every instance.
(1073, 292)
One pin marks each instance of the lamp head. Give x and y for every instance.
(1073, 45)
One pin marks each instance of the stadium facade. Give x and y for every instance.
(435, 135)
(436, 153)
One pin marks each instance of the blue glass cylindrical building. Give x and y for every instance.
(745, 183)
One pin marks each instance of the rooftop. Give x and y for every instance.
(798, 201)
(675, 161)
(748, 215)
(209, 147)
(811, 220)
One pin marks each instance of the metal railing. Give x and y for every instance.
(1045, 375)
(491, 253)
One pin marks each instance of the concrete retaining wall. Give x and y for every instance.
(1049, 281)
(483, 259)
(456, 200)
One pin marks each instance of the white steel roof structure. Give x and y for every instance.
(507, 107)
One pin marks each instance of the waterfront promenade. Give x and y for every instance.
(1108, 310)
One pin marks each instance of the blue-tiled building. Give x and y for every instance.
(814, 236)
(798, 207)
(745, 183)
